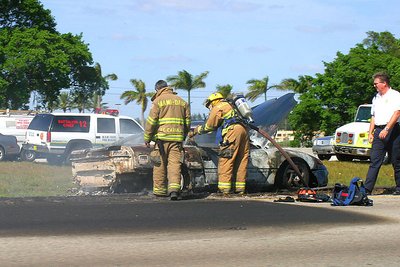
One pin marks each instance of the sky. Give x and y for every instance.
(235, 40)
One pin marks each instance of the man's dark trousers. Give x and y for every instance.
(390, 144)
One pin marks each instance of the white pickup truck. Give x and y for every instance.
(351, 140)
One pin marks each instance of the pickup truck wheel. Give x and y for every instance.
(289, 179)
(324, 157)
(2, 154)
(28, 155)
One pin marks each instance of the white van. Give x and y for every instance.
(54, 136)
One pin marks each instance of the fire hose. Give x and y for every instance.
(283, 152)
(240, 105)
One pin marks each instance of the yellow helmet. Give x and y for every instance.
(212, 97)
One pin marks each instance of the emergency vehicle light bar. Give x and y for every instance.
(109, 111)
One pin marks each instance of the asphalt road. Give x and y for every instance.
(136, 214)
(130, 230)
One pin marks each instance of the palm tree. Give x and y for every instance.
(257, 88)
(225, 90)
(299, 86)
(52, 105)
(95, 103)
(79, 100)
(104, 83)
(64, 101)
(140, 96)
(186, 81)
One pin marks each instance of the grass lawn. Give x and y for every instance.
(343, 172)
(18, 179)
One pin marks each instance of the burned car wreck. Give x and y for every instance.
(127, 167)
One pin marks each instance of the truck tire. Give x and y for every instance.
(28, 155)
(324, 157)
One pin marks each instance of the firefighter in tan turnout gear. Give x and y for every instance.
(233, 140)
(167, 125)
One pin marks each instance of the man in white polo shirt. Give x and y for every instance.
(384, 131)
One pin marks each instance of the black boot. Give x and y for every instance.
(173, 196)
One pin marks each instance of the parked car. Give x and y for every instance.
(9, 148)
(323, 147)
(127, 165)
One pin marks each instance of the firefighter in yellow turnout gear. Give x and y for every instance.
(234, 146)
(167, 124)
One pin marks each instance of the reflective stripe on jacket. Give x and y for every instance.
(169, 117)
(220, 112)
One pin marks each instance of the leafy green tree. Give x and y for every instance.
(87, 83)
(384, 42)
(34, 57)
(25, 14)
(186, 81)
(225, 90)
(92, 85)
(331, 99)
(306, 117)
(139, 96)
(257, 88)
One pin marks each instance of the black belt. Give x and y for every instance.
(380, 126)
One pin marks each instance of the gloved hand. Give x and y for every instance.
(147, 144)
(191, 134)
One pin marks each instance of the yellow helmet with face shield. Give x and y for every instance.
(212, 97)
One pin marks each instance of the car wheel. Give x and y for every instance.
(342, 157)
(2, 154)
(324, 157)
(289, 179)
(28, 155)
